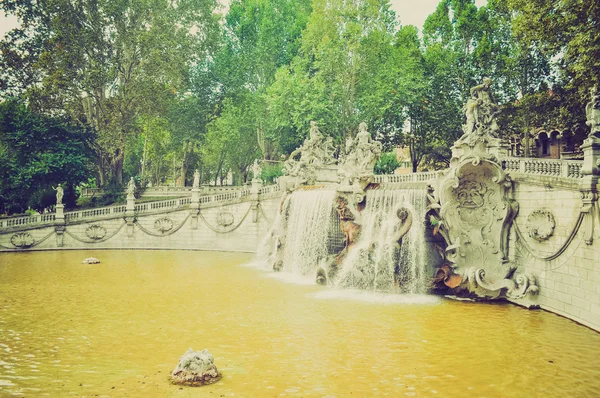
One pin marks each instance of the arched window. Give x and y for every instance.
(543, 144)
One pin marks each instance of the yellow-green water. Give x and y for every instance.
(118, 328)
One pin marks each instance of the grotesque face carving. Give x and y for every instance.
(470, 194)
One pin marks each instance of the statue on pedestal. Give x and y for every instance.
(481, 113)
(60, 192)
(256, 170)
(360, 157)
(196, 183)
(130, 188)
(592, 112)
(315, 152)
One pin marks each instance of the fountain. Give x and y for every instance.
(377, 244)
(384, 248)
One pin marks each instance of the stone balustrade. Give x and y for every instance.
(167, 191)
(24, 221)
(399, 178)
(544, 167)
(119, 210)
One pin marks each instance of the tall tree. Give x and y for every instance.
(105, 63)
(36, 153)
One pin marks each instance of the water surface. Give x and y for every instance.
(118, 328)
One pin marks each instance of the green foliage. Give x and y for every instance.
(270, 172)
(105, 63)
(39, 153)
(387, 163)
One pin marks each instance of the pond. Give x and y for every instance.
(119, 327)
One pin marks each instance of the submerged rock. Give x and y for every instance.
(195, 368)
(90, 260)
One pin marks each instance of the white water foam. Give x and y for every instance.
(376, 262)
(308, 220)
(375, 297)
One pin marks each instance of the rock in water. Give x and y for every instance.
(90, 260)
(195, 368)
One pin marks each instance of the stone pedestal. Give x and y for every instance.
(327, 175)
(130, 213)
(255, 197)
(59, 224)
(195, 206)
(498, 149)
(591, 156)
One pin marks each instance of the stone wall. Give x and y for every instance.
(229, 227)
(553, 237)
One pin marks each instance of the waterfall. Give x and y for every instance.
(376, 261)
(307, 218)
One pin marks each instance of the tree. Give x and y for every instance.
(37, 153)
(105, 63)
(567, 31)
(348, 70)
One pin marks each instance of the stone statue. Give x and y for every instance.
(592, 112)
(196, 183)
(130, 188)
(195, 368)
(314, 153)
(60, 192)
(256, 170)
(359, 160)
(481, 114)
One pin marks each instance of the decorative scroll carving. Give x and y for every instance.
(589, 200)
(475, 209)
(540, 225)
(163, 224)
(95, 232)
(22, 240)
(225, 218)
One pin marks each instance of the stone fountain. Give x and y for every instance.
(382, 228)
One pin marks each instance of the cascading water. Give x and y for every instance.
(378, 261)
(307, 223)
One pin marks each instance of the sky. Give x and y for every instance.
(410, 12)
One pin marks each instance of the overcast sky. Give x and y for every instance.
(410, 12)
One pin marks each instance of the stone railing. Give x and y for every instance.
(399, 178)
(24, 221)
(167, 191)
(269, 189)
(225, 196)
(544, 167)
(119, 210)
(100, 212)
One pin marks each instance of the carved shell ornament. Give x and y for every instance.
(224, 218)
(540, 225)
(163, 225)
(95, 232)
(22, 240)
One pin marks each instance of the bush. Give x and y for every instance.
(270, 171)
(386, 164)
